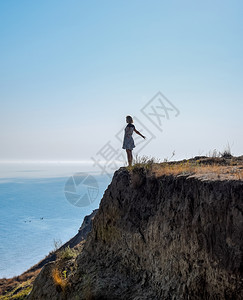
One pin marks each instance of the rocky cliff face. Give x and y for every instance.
(168, 237)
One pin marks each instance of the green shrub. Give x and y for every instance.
(67, 253)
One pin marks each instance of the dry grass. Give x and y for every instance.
(23, 282)
(143, 162)
(212, 171)
(59, 278)
(208, 167)
(17, 290)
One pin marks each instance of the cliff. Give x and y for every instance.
(156, 237)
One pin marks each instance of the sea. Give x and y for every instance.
(42, 206)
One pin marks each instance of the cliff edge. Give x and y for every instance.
(156, 237)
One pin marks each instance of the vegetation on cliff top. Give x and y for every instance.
(215, 167)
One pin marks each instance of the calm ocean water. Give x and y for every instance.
(35, 211)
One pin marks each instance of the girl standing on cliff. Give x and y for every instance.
(128, 142)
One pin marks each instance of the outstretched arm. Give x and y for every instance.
(139, 133)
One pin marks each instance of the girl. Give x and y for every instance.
(128, 142)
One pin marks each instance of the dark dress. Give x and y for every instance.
(128, 142)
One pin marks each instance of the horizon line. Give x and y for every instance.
(20, 161)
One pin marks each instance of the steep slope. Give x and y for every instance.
(22, 283)
(167, 237)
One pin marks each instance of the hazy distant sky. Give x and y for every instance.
(70, 71)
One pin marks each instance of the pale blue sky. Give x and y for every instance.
(70, 71)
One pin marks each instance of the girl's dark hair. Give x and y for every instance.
(129, 119)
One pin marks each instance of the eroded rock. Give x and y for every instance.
(172, 237)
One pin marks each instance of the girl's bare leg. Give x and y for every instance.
(129, 156)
